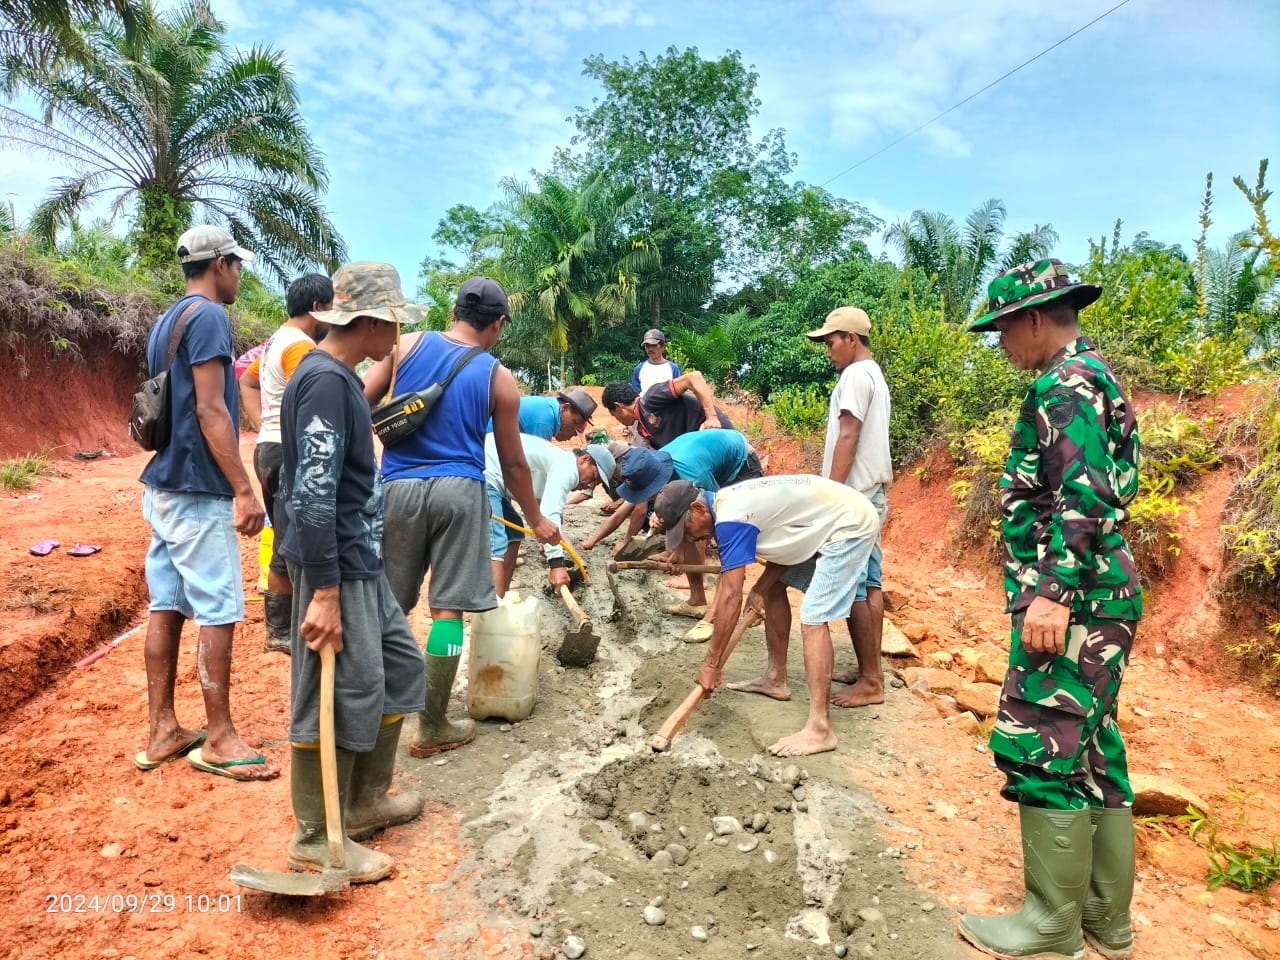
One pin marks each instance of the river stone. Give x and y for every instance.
(699, 934)
(770, 857)
(840, 950)
(759, 822)
(574, 947)
(663, 860)
(749, 844)
(678, 852)
(654, 916)
(638, 823)
(723, 826)
(791, 774)
(799, 794)
(871, 915)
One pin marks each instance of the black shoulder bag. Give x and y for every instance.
(397, 418)
(150, 419)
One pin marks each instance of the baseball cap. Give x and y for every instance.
(654, 336)
(672, 507)
(484, 296)
(603, 459)
(843, 320)
(207, 242)
(580, 400)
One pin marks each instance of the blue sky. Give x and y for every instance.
(421, 105)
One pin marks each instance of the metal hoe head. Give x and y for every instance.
(289, 884)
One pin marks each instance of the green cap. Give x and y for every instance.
(1030, 284)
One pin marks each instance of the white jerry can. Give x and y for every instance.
(502, 669)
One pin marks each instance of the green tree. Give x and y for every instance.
(959, 259)
(678, 127)
(38, 32)
(569, 263)
(173, 121)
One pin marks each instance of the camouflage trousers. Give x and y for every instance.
(1056, 738)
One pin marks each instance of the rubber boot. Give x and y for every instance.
(1056, 854)
(435, 732)
(371, 808)
(309, 849)
(1106, 909)
(278, 612)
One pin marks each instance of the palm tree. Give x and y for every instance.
(959, 260)
(171, 120)
(1239, 289)
(569, 260)
(38, 31)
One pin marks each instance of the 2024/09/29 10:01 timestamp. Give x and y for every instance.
(149, 902)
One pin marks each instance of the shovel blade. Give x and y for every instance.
(288, 884)
(579, 647)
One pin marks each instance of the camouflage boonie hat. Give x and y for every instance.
(1030, 284)
(368, 289)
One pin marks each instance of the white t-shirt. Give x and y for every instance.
(651, 373)
(275, 366)
(862, 392)
(787, 518)
(554, 473)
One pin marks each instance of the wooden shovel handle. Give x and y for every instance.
(666, 733)
(573, 606)
(659, 565)
(329, 762)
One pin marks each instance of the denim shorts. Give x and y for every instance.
(871, 576)
(837, 570)
(193, 563)
(500, 535)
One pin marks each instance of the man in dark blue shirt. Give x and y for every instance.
(197, 497)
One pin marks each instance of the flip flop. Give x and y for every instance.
(44, 548)
(700, 633)
(222, 768)
(83, 550)
(142, 763)
(685, 609)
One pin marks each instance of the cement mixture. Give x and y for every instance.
(713, 849)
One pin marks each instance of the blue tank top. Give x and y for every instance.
(450, 442)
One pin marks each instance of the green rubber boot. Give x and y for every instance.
(278, 612)
(1056, 854)
(372, 808)
(309, 849)
(1106, 909)
(435, 732)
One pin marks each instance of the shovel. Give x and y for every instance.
(334, 876)
(578, 649)
(661, 740)
(613, 566)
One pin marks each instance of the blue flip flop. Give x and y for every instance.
(225, 768)
(142, 763)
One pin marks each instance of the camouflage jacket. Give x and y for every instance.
(1071, 473)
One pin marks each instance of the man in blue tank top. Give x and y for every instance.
(437, 512)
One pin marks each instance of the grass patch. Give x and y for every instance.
(21, 472)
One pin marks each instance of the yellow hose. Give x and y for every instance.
(586, 578)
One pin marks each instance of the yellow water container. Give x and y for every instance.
(502, 666)
(266, 542)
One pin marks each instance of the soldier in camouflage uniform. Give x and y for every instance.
(1073, 594)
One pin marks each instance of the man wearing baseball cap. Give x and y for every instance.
(655, 368)
(341, 598)
(785, 520)
(1072, 590)
(197, 496)
(437, 508)
(561, 417)
(556, 474)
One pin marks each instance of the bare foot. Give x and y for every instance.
(777, 691)
(804, 743)
(845, 676)
(678, 582)
(863, 693)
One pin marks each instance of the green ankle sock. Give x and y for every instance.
(445, 638)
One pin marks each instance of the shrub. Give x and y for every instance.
(1251, 535)
(799, 410)
(981, 453)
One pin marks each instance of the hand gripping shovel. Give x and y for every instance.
(334, 876)
(578, 649)
(661, 740)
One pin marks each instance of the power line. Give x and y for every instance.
(976, 93)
